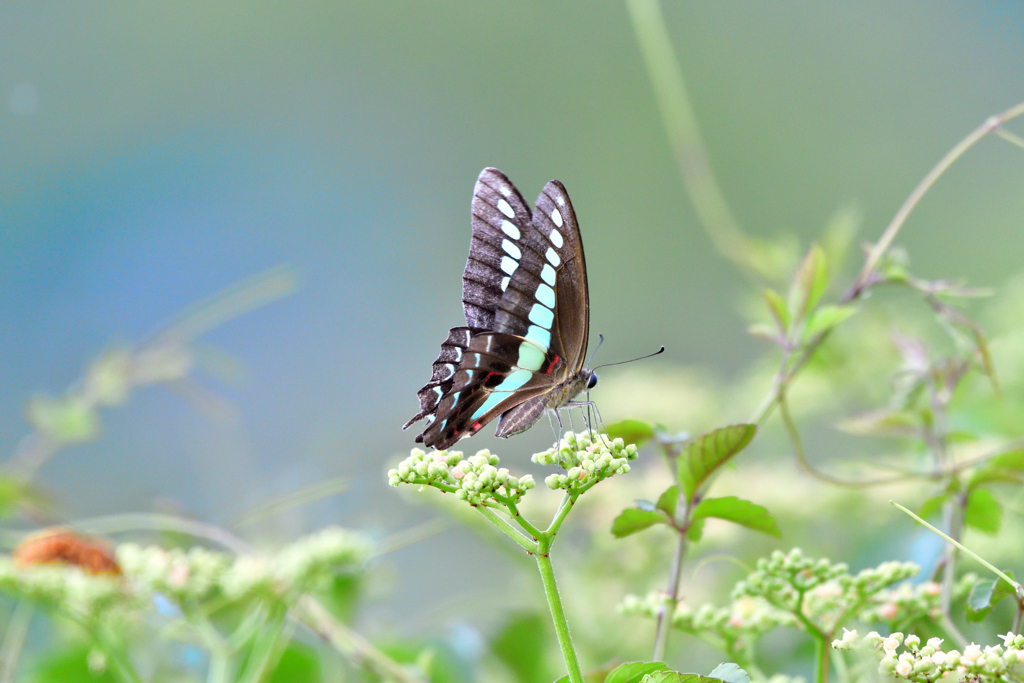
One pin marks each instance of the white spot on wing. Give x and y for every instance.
(556, 216)
(546, 295)
(438, 391)
(450, 369)
(552, 257)
(508, 265)
(504, 282)
(511, 249)
(556, 238)
(561, 202)
(504, 190)
(506, 208)
(510, 229)
(458, 354)
(547, 274)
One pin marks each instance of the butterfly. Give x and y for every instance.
(524, 293)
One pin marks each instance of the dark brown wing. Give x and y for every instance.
(555, 220)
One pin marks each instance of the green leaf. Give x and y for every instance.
(676, 677)
(992, 475)
(986, 595)
(932, 505)
(809, 282)
(827, 317)
(1014, 460)
(66, 420)
(70, 665)
(738, 511)
(633, 672)
(632, 520)
(730, 673)
(298, 663)
(632, 431)
(777, 307)
(696, 530)
(668, 500)
(768, 333)
(983, 512)
(707, 453)
(522, 646)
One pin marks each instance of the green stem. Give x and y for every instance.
(1002, 575)
(356, 649)
(527, 544)
(568, 500)
(668, 605)
(821, 650)
(680, 121)
(547, 576)
(14, 639)
(263, 649)
(520, 520)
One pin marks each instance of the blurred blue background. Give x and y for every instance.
(154, 154)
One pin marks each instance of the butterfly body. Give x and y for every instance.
(527, 312)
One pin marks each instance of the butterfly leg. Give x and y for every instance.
(585, 408)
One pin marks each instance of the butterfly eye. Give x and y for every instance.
(592, 382)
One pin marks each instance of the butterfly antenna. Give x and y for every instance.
(600, 340)
(622, 362)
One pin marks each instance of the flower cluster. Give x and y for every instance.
(907, 604)
(199, 574)
(477, 480)
(588, 457)
(928, 662)
(74, 589)
(186, 576)
(818, 589)
(737, 626)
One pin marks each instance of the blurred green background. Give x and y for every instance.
(153, 154)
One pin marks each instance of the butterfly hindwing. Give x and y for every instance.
(497, 372)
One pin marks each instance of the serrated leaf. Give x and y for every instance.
(633, 672)
(696, 530)
(983, 512)
(986, 595)
(707, 453)
(730, 673)
(778, 308)
(932, 506)
(668, 500)
(825, 318)
(809, 282)
(632, 520)
(738, 511)
(635, 432)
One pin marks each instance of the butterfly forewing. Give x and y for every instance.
(555, 219)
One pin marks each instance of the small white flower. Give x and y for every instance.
(849, 636)
(890, 644)
(1008, 638)
(903, 668)
(939, 658)
(972, 653)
